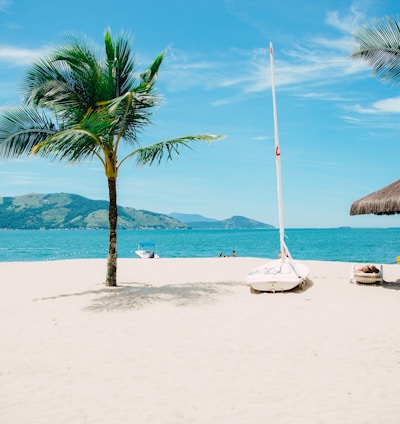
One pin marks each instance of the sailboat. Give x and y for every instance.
(284, 273)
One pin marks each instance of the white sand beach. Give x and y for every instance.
(185, 341)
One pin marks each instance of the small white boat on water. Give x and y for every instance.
(284, 273)
(146, 251)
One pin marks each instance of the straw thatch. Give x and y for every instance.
(385, 201)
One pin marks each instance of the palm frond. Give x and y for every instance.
(168, 148)
(132, 113)
(72, 145)
(46, 85)
(133, 101)
(149, 77)
(129, 100)
(81, 70)
(65, 81)
(22, 128)
(124, 65)
(379, 46)
(82, 141)
(120, 63)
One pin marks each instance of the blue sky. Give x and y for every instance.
(339, 127)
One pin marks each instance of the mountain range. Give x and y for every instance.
(196, 221)
(71, 211)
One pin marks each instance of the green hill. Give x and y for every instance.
(233, 223)
(61, 210)
(237, 222)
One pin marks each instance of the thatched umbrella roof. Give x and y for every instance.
(385, 201)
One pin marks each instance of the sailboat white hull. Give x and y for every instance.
(282, 274)
(277, 276)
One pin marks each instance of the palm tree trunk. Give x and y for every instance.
(111, 279)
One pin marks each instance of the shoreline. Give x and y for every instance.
(167, 270)
(183, 340)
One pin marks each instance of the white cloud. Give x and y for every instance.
(321, 60)
(391, 105)
(19, 56)
(347, 23)
(261, 138)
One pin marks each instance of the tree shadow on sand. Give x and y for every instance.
(135, 296)
(128, 296)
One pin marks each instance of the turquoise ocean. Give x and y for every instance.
(381, 245)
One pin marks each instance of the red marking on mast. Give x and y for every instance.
(277, 152)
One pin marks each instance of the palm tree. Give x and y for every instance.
(77, 107)
(379, 45)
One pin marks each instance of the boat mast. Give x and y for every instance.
(283, 249)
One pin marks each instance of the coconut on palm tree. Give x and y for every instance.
(379, 46)
(78, 106)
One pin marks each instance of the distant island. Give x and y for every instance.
(198, 222)
(71, 211)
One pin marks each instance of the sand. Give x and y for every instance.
(185, 341)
